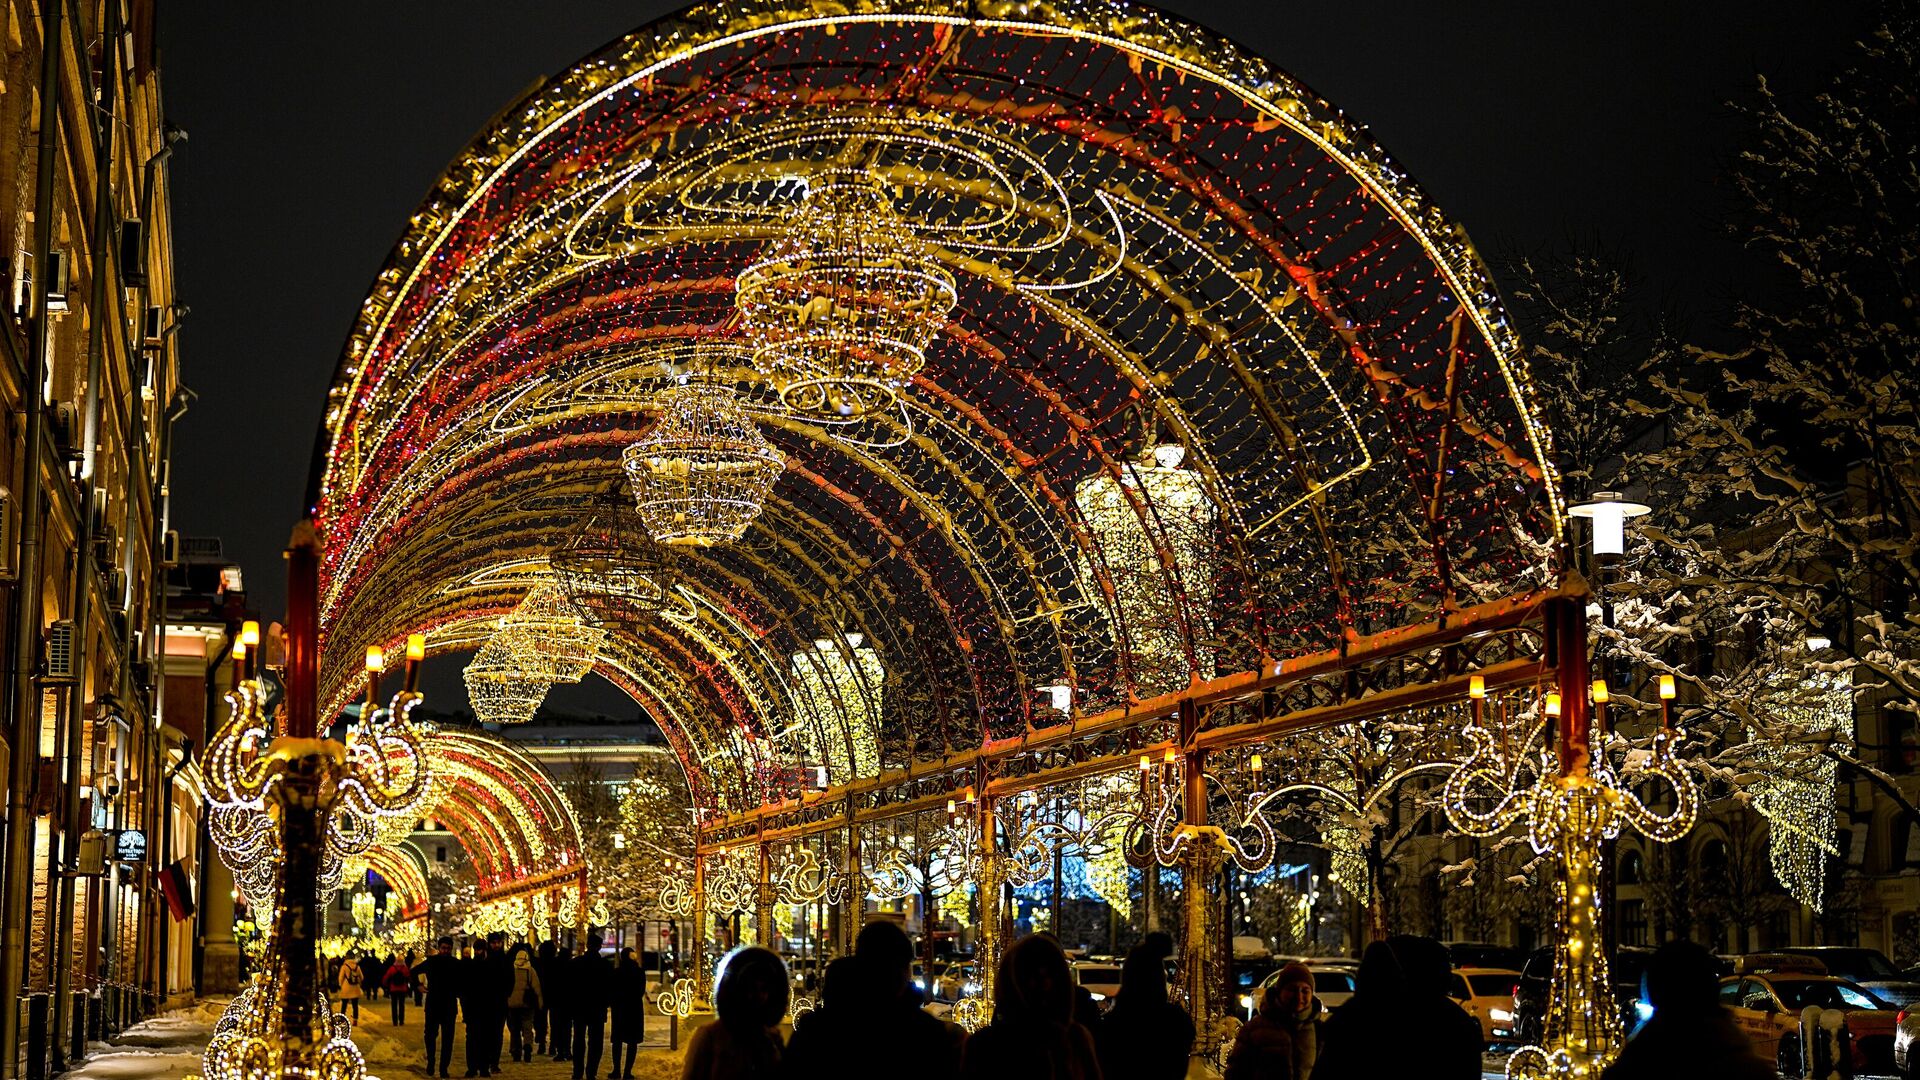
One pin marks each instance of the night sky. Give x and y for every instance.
(316, 129)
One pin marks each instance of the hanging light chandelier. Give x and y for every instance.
(1154, 506)
(547, 634)
(704, 471)
(611, 568)
(500, 688)
(842, 308)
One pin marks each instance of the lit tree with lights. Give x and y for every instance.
(1780, 582)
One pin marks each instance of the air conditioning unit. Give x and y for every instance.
(66, 430)
(117, 589)
(59, 271)
(143, 674)
(133, 253)
(63, 662)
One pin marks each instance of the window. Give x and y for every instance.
(1633, 922)
(440, 853)
(1731, 993)
(1757, 997)
(1459, 988)
(1632, 866)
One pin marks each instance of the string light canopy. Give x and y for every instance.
(1153, 236)
(843, 306)
(704, 471)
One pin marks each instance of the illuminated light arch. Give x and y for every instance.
(405, 874)
(515, 825)
(1157, 237)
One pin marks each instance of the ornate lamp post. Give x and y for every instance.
(1572, 802)
(324, 800)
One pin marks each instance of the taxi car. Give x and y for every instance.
(1767, 1006)
(1487, 995)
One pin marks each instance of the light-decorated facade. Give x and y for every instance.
(1156, 429)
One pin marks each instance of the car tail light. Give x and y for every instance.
(1515, 992)
(1900, 1017)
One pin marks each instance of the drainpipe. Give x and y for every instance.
(164, 984)
(25, 748)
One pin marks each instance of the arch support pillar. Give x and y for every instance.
(763, 901)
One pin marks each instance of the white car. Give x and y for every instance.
(1101, 979)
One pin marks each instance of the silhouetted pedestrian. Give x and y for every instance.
(476, 1007)
(439, 981)
(1689, 1035)
(590, 991)
(370, 971)
(881, 1015)
(523, 1002)
(556, 979)
(1144, 1036)
(750, 998)
(1282, 1041)
(1033, 1035)
(499, 973)
(629, 1001)
(397, 981)
(1361, 1037)
(1449, 1038)
(824, 1040)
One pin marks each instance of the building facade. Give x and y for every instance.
(99, 806)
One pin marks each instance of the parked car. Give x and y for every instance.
(956, 982)
(1333, 984)
(1624, 972)
(1906, 1028)
(1487, 994)
(1102, 980)
(1767, 1007)
(1869, 968)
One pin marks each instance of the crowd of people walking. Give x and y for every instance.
(526, 1002)
(1399, 1022)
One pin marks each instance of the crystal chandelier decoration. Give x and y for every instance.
(703, 472)
(611, 567)
(843, 307)
(543, 641)
(1796, 792)
(837, 702)
(1150, 507)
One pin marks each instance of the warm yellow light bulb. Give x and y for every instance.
(1553, 704)
(240, 650)
(1256, 763)
(1146, 762)
(1667, 689)
(1600, 691)
(376, 658)
(416, 646)
(249, 633)
(1169, 759)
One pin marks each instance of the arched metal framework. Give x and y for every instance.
(1157, 238)
(516, 826)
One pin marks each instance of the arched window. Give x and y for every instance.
(1632, 867)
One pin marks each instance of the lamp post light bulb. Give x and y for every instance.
(1146, 762)
(250, 633)
(416, 647)
(1609, 514)
(1256, 763)
(1553, 704)
(1477, 687)
(1668, 691)
(1169, 758)
(1600, 691)
(240, 650)
(376, 659)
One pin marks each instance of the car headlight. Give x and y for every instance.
(1246, 1002)
(1097, 997)
(1500, 1016)
(1643, 1010)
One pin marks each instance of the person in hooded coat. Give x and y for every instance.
(1144, 1036)
(398, 980)
(523, 1002)
(750, 998)
(1450, 1040)
(1689, 1035)
(1361, 1037)
(1282, 1041)
(629, 1013)
(589, 993)
(1033, 1035)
